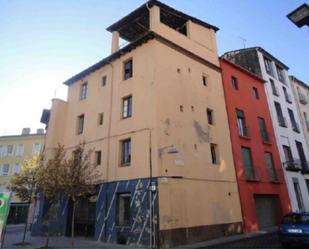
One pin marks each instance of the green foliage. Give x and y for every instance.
(24, 183)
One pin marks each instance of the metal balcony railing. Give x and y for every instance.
(302, 98)
(292, 165)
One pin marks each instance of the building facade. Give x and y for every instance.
(154, 112)
(263, 193)
(292, 145)
(14, 150)
(301, 94)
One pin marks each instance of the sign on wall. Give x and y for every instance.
(4, 211)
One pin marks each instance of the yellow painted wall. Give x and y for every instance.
(163, 79)
(28, 141)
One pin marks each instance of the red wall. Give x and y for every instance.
(253, 108)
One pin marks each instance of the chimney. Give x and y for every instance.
(25, 131)
(40, 131)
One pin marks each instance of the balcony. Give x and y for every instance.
(282, 121)
(292, 165)
(302, 98)
(288, 97)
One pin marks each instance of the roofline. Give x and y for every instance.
(149, 36)
(243, 70)
(299, 81)
(151, 3)
(262, 50)
(25, 135)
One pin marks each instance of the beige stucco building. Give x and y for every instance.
(14, 150)
(154, 113)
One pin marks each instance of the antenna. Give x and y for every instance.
(243, 41)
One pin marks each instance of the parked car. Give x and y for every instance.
(294, 229)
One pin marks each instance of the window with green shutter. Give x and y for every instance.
(247, 160)
(263, 130)
(270, 166)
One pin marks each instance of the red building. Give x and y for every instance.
(263, 192)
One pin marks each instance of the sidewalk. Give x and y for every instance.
(230, 239)
(14, 235)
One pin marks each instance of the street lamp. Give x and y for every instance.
(300, 16)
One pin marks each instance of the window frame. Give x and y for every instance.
(210, 116)
(234, 82)
(80, 125)
(255, 93)
(83, 91)
(127, 110)
(98, 157)
(125, 221)
(214, 152)
(126, 152)
(104, 80)
(128, 75)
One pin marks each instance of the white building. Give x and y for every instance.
(292, 145)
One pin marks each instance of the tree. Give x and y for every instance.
(24, 184)
(50, 184)
(70, 177)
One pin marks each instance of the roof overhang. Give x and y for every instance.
(300, 16)
(137, 22)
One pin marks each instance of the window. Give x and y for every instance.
(5, 169)
(205, 80)
(280, 74)
(263, 130)
(126, 152)
(281, 119)
(127, 107)
(255, 93)
(36, 148)
(19, 150)
(83, 91)
(100, 118)
(305, 117)
(295, 126)
(298, 194)
(10, 149)
(128, 69)
(234, 83)
(268, 66)
(288, 155)
(80, 124)
(1, 151)
(210, 116)
(270, 166)
(98, 156)
(214, 154)
(274, 88)
(181, 108)
(302, 157)
(104, 79)
(242, 129)
(123, 209)
(16, 169)
(247, 160)
(287, 95)
(307, 183)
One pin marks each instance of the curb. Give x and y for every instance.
(227, 240)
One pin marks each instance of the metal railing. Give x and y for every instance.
(243, 131)
(288, 97)
(295, 127)
(292, 165)
(275, 91)
(254, 175)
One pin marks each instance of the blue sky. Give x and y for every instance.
(43, 43)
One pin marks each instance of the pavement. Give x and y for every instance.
(14, 235)
(257, 240)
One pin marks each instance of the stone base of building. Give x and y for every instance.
(182, 236)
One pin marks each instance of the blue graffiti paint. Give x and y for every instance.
(106, 229)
